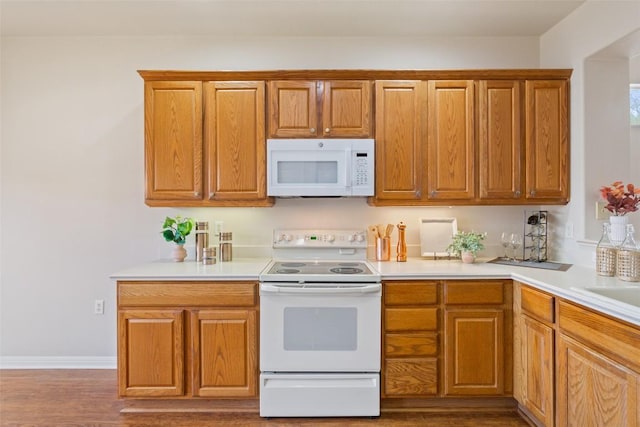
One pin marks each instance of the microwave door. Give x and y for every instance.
(309, 173)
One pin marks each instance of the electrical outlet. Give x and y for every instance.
(601, 212)
(568, 230)
(98, 306)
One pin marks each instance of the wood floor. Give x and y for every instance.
(89, 398)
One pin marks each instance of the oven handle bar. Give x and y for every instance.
(329, 290)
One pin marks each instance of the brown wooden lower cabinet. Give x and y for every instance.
(205, 346)
(447, 338)
(598, 369)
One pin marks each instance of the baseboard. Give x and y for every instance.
(65, 362)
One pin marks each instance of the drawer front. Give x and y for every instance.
(414, 345)
(474, 292)
(537, 304)
(410, 293)
(410, 319)
(210, 294)
(411, 377)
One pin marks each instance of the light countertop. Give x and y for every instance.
(569, 284)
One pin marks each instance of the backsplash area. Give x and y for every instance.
(253, 227)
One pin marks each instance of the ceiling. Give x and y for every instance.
(342, 18)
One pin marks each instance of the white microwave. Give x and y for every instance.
(320, 167)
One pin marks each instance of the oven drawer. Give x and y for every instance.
(319, 395)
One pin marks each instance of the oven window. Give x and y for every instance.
(320, 328)
(307, 172)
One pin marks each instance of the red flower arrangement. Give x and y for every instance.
(621, 199)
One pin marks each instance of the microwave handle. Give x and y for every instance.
(283, 290)
(349, 177)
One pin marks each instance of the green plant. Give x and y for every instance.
(467, 242)
(177, 229)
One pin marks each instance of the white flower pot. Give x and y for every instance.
(467, 257)
(618, 229)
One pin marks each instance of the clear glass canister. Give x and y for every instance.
(225, 252)
(606, 253)
(628, 259)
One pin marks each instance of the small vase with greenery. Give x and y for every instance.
(466, 245)
(176, 230)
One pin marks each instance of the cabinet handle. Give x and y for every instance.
(312, 130)
(433, 193)
(197, 194)
(517, 193)
(532, 192)
(212, 194)
(418, 194)
(327, 130)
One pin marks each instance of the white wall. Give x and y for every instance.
(592, 27)
(72, 170)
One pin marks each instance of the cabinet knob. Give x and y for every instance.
(213, 193)
(532, 192)
(312, 130)
(517, 193)
(197, 194)
(433, 193)
(327, 130)
(418, 194)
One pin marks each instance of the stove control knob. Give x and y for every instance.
(330, 237)
(360, 237)
(284, 238)
(351, 237)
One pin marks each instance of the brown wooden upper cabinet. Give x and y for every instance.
(173, 140)
(547, 140)
(205, 143)
(310, 109)
(472, 142)
(450, 140)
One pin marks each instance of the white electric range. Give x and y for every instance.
(320, 326)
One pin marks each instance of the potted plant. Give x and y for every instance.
(466, 245)
(621, 199)
(176, 230)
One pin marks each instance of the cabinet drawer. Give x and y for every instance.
(410, 319)
(210, 294)
(410, 293)
(474, 292)
(411, 377)
(537, 304)
(416, 344)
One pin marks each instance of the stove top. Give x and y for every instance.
(331, 271)
(319, 267)
(319, 256)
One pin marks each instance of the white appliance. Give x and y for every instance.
(320, 167)
(320, 326)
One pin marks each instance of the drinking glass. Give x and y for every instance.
(515, 242)
(505, 240)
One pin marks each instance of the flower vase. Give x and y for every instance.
(618, 229)
(179, 253)
(467, 257)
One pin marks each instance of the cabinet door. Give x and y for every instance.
(400, 106)
(224, 353)
(538, 359)
(547, 140)
(293, 109)
(499, 140)
(346, 108)
(150, 353)
(173, 141)
(450, 170)
(236, 150)
(594, 390)
(474, 352)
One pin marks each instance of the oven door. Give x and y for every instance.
(320, 327)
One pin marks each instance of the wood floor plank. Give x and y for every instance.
(43, 398)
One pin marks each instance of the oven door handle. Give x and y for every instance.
(275, 289)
